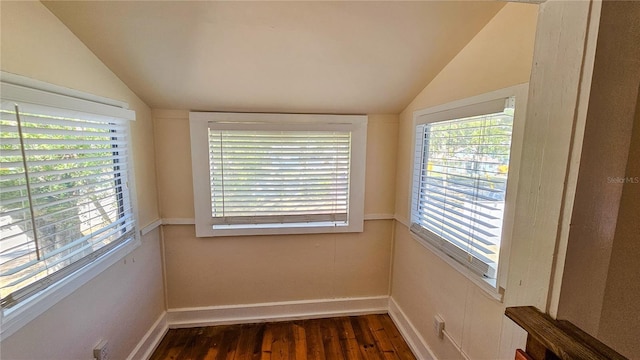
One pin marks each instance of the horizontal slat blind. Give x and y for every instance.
(70, 204)
(271, 177)
(460, 186)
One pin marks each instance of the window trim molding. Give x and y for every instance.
(33, 84)
(460, 108)
(22, 89)
(199, 125)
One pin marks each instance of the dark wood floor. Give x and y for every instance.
(350, 338)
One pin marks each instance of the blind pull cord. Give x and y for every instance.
(28, 183)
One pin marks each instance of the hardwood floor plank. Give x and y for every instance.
(348, 339)
(381, 338)
(215, 336)
(200, 345)
(229, 343)
(248, 337)
(315, 344)
(300, 340)
(330, 340)
(370, 337)
(189, 344)
(257, 345)
(368, 347)
(163, 348)
(281, 337)
(267, 343)
(401, 347)
(189, 347)
(175, 344)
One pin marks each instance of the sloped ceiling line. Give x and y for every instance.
(311, 57)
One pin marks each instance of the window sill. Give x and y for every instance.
(15, 318)
(276, 229)
(488, 286)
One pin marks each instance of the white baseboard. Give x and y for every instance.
(276, 311)
(409, 332)
(151, 339)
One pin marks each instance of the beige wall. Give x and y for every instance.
(257, 269)
(423, 285)
(36, 44)
(260, 269)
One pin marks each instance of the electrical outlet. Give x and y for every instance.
(438, 326)
(100, 352)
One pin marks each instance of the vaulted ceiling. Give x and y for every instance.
(327, 57)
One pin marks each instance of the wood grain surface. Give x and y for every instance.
(368, 337)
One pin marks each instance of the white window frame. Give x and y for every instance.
(22, 89)
(465, 108)
(199, 125)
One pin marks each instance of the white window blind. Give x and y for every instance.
(64, 194)
(269, 173)
(461, 171)
(271, 177)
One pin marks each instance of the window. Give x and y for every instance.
(65, 201)
(277, 173)
(462, 166)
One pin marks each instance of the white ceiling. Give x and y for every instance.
(326, 57)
